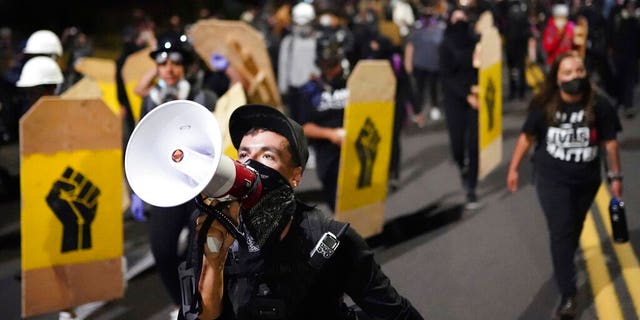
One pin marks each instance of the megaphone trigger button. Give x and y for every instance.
(177, 155)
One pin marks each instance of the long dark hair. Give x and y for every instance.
(549, 97)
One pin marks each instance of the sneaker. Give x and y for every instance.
(472, 202)
(173, 315)
(567, 308)
(66, 315)
(435, 114)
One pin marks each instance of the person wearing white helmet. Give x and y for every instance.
(40, 76)
(296, 57)
(43, 42)
(558, 34)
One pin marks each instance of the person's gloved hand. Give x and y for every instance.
(137, 208)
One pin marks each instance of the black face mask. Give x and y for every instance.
(267, 219)
(460, 27)
(575, 86)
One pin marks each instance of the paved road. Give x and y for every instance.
(492, 263)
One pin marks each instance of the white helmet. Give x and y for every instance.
(43, 42)
(303, 13)
(560, 10)
(38, 71)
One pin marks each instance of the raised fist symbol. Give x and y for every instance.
(74, 200)
(367, 148)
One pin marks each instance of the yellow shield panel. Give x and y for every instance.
(71, 211)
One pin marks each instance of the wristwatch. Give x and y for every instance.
(611, 176)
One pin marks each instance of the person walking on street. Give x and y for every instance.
(422, 64)
(458, 78)
(569, 121)
(296, 57)
(167, 223)
(322, 104)
(557, 36)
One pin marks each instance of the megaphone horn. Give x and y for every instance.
(175, 153)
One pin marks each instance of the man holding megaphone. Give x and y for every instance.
(260, 253)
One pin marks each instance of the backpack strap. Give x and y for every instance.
(325, 233)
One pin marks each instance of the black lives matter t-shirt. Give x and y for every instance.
(568, 150)
(324, 103)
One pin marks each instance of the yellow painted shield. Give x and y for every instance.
(72, 211)
(366, 149)
(490, 98)
(71, 217)
(365, 156)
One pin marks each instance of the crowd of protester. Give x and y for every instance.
(424, 48)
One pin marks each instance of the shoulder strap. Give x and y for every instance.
(324, 233)
(189, 270)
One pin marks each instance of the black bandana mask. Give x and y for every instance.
(267, 219)
(574, 86)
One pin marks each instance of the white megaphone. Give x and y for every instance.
(175, 153)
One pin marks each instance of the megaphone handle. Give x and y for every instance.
(216, 212)
(189, 271)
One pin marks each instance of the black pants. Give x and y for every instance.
(166, 225)
(516, 58)
(462, 123)
(565, 207)
(425, 81)
(625, 80)
(328, 167)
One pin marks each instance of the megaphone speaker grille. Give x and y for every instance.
(173, 153)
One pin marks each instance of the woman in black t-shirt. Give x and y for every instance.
(568, 121)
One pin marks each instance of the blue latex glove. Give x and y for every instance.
(137, 208)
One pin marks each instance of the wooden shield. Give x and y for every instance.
(103, 71)
(245, 49)
(580, 34)
(229, 102)
(366, 150)
(71, 216)
(85, 88)
(391, 30)
(490, 98)
(136, 65)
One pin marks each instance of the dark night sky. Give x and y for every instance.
(95, 17)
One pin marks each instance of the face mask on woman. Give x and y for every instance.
(575, 85)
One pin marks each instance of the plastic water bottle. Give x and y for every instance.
(618, 220)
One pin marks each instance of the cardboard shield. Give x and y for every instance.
(71, 215)
(229, 102)
(103, 71)
(580, 34)
(85, 88)
(390, 30)
(244, 48)
(135, 66)
(490, 98)
(366, 150)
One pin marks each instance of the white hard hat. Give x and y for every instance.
(38, 71)
(560, 10)
(43, 42)
(303, 13)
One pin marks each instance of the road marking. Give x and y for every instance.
(607, 304)
(624, 252)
